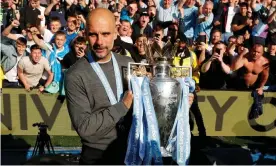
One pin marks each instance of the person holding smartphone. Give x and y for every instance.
(79, 51)
(215, 69)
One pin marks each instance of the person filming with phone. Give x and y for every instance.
(215, 69)
(79, 50)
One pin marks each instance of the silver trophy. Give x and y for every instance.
(165, 89)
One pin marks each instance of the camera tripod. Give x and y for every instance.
(42, 140)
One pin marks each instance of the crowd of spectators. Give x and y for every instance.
(230, 44)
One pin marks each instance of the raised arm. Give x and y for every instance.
(225, 68)
(7, 31)
(202, 53)
(38, 41)
(239, 60)
(206, 66)
(68, 4)
(15, 2)
(180, 4)
(199, 5)
(271, 17)
(253, 4)
(50, 7)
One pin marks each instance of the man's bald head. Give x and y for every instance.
(99, 14)
(101, 33)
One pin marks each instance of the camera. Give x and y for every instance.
(41, 126)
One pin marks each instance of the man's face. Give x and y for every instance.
(79, 47)
(152, 11)
(150, 3)
(72, 23)
(240, 40)
(101, 36)
(124, 28)
(20, 48)
(240, 48)
(172, 31)
(79, 21)
(158, 36)
(207, 10)
(257, 52)
(216, 37)
(140, 44)
(34, 3)
(273, 3)
(167, 3)
(55, 26)
(224, 1)
(36, 55)
(272, 50)
(133, 8)
(60, 40)
(232, 40)
(181, 46)
(243, 10)
(144, 20)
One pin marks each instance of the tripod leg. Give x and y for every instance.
(50, 142)
(41, 147)
(48, 147)
(35, 147)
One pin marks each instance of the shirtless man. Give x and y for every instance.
(255, 68)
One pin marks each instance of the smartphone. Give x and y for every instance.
(217, 50)
(157, 36)
(81, 49)
(202, 38)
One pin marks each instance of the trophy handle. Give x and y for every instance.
(139, 70)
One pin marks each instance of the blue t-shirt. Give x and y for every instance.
(70, 37)
(190, 16)
(205, 26)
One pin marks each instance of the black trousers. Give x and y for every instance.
(111, 156)
(91, 156)
(198, 116)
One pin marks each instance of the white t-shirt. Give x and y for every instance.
(42, 11)
(126, 39)
(11, 75)
(231, 13)
(48, 35)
